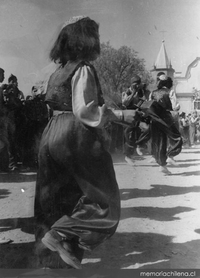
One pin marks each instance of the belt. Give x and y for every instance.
(57, 112)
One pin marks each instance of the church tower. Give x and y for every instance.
(162, 64)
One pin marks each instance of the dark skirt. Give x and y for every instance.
(166, 138)
(76, 189)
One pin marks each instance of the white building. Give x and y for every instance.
(187, 87)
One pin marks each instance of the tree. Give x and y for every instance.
(115, 68)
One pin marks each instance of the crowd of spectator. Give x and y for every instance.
(22, 120)
(189, 125)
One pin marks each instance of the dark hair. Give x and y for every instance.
(2, 70)
(136, 79)
(12, 78)
(76, 41)
(182, 114)
(168, 83)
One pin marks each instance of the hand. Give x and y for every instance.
(132, 116)
(127, 97)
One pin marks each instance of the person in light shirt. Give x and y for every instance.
(194, 120)
(77, 202)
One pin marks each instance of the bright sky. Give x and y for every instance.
(29, 27)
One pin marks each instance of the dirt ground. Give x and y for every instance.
(159, 226)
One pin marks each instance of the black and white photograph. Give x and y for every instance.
(99, 138)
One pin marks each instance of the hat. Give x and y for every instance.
(73, 19)
(162, 77)
(135, 79)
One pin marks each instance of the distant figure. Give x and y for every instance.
(14, 102)
(193, 122)
(37, 116)
(12, 80)
(185, 129)
(4, 129)
(2, 75)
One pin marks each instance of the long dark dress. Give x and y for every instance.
(164, 129)
(76, 190)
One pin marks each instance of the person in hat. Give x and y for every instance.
(137, 135)
(130, 97)
(77, 202)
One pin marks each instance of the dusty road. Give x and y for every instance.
(160, 218)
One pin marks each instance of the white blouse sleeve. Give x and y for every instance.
(85, 98)
(174, 101)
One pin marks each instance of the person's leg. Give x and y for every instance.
(187, 133)
(4, 156)
(57, 193)
(143, 138)
(173, 135)
(158, 144)
(95, 216)
(97, 212)
(159, 147)
(80, 180)
(175, 141)
(129, 148)
(192, 135)
(145, 134)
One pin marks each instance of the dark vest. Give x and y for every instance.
(162, 97)
(59, 91)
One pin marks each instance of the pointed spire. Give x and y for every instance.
(162, 61)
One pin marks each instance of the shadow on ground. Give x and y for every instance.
(186, 174)
(4, 193)
(153, 213)
(24, 256)
(157, 190)
(25, 224)
(144, 250)
(123, 250)
(182, 165)
(17, 177)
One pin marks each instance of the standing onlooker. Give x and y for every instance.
(12, 80)
(184, 127)
(4, 124)
(198, 132)
(14, 101)
(193, 126)
(77, 202)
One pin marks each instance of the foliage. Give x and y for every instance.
(115, 68)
